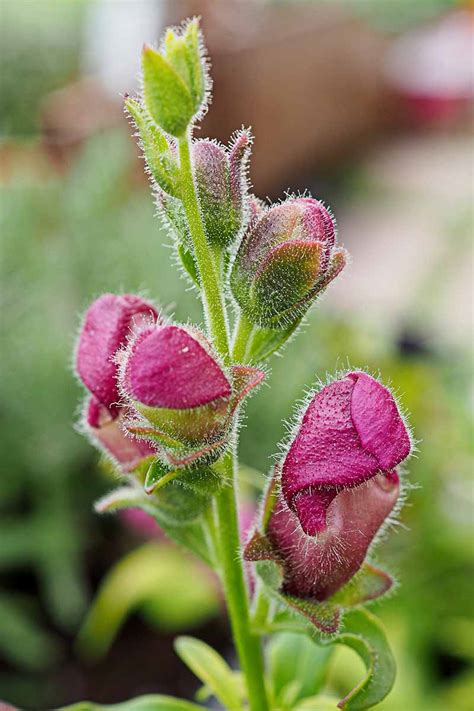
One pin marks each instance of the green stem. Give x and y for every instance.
(247, 644)
(242, 336)
(214, 308)
(226, 536)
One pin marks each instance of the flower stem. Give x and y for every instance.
(227, 534)
(242, 335)
(214, 309)
(247, 644)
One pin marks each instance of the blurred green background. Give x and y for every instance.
(77, 219)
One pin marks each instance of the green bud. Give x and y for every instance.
(175, 79)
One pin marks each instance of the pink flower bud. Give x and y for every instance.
(106, 327)
(318, 567)
(351, 431)
(171, 376)
(286, 258)
(221, 178)
(106, 431)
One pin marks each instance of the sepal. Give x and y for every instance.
(160, 159)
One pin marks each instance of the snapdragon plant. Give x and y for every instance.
(165, 400)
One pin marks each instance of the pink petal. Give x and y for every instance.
(316, 567)
(378, 423)
(168, 368)
(107, 323)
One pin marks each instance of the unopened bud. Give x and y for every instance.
(175, 79)
(173, 379)
(286, 258)
(221, 178)
(107, 324)
(351, 431)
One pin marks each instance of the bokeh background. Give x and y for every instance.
(367, 103)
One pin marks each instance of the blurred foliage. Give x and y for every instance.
(68, 238)
(39, 53)
(63, 242)
(151, 579)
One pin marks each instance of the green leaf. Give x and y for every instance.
(297, 660)
(149, 579)
(188, 533)
(212, 670)
(267, 341)
(167, 97)
(365, 635)
(155, 702)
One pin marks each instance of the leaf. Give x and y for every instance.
(149, 578)
(155, 702)
(267, 341)
(211, 669)
(167, 97)
(365, 635)
(297, 658)
(187, 533)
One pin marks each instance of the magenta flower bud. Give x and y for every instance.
(320, 576)
(318, 567)
(106, 327)
(286, 258)
(350, 432)
(171, 376)
(221, 178)
(107, 433)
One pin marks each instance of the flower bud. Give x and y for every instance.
(350, 432)
(221, 178)
(321, 576)
(107, 325)
(172, 378)
(107, 434)
(317, 567)
(286, 258)
(175, 79)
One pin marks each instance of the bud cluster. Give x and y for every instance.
(163, 398)
(157, 390)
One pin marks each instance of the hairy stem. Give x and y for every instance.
(242, 336)
(213, 301)
(247, 644)
(226, 537)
